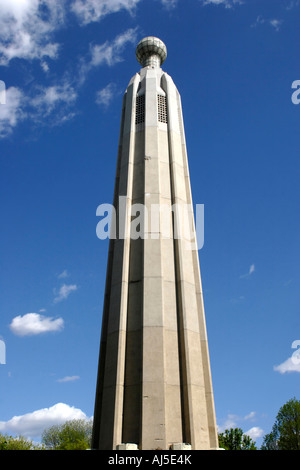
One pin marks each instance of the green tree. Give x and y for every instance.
(270, 441)
(285, 434)
(17, 443)
(72, 435)
(235, 439)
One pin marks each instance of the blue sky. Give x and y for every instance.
(65, 66)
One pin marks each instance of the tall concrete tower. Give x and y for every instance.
(154, 382)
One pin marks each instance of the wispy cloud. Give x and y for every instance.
(47, 98)
(169, 4)
(63, 274)
(33, 424)
(109, 53)
(260, 20)
(35, 324)
(293, 4)
(225, 3)
(275, 23)
(71, 378)
(52, 105)
(234, 421)
(64, 292)
(105, 96)
(45, 66)
(251, 416)
(249, 273)
(89, 11)
(230, 422)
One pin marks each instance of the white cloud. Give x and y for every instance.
(259, 20)
(249, 273)
(251, 269)
(237, 300)
(255, 432)
(64, 292)
(94, 10)
(56, 103)
(26, 28)
(89, 11)
(50, 97)
(45, 66)
(234, 421)
(12, 111)
(35, 324)
(105, 96)
(292, 364)
(250, 416)
(63, 274)
(31, 425)
(68, 379)
(275, 23)
(293, 4)
(169, 3)
(225, 3)
(230, 422)
(108, 53)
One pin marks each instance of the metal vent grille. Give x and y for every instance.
(162, 109)
(140, 109)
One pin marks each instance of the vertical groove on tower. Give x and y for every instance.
(133, 355)
(186, 435)
(181, 348)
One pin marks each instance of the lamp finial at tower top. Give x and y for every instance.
(151, 51)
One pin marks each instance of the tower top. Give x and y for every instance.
(151, 51)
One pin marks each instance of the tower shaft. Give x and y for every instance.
(154, 381)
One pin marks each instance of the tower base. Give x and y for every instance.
(181, 446)
(127, 447)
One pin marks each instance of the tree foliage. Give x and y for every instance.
(235, 439)
(17, 443)
(285, 434)
(72, 435)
